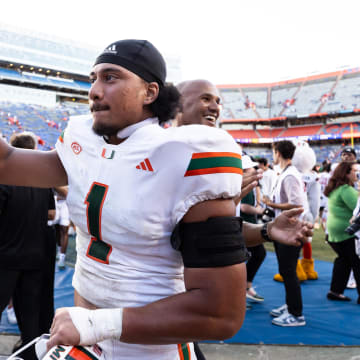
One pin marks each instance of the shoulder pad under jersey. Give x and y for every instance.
(203, 164)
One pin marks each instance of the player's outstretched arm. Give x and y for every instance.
(212, 307)
(30, 167)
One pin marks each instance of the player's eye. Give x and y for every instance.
(109, 77)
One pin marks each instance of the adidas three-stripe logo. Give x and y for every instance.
(145, 165)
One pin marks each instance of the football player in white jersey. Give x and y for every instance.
(149, 279)
(201, 104)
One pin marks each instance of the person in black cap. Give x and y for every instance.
(138, 70)
(144, 200)
(348, 154)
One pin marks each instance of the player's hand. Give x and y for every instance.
(265, 199)
(63, 331)
(259, 210)
(288, 229)
(249, 181)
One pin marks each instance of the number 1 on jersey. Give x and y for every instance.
(98, 250)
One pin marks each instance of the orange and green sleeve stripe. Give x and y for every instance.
(214, 162)
(61, 137)
(184, 351)
(80, 353)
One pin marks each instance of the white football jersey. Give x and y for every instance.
(125, 201)
(313, 192)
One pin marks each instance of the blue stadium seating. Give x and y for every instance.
(48, 122)
(83, 85)
(10, 74)
(45, 122)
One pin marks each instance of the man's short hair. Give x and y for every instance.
(262, 161)
(348, 150)
(286, 148)
(24, 140)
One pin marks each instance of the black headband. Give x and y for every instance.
(137, 56)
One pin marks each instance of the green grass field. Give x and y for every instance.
(322, 250)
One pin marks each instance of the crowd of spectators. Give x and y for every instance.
(332, 203)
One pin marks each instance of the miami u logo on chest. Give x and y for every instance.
(107, 154)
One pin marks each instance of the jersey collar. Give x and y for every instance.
(125, 133)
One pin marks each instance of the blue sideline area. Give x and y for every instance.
(327, 322)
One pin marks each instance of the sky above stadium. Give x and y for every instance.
(226, 42)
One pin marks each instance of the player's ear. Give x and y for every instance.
(152, 92)
(178, 118)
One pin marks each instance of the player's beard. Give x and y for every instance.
(104, 130)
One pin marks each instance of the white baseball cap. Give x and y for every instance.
(247, 163)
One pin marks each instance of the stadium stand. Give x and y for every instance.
(330, 92)
(342, 130)
(323, 109)
(10, 74)
(44, 81)
(301, 131)
(347, 95)
(281, 99)
(245, 134)
(47, 123)
(270, 133)
(37, 49)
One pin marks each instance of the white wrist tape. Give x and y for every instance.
(96, 325)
